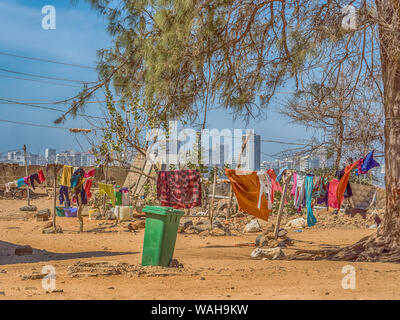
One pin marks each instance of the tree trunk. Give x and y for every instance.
(389, 12)
(385, 244)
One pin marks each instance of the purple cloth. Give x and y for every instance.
(64, 194)
(367, 163)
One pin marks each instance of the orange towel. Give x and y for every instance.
(343, 182)
(247, 191)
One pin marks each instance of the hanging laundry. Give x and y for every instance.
(41, 176)
(332, 199)
(311, 220)
(64, 195)
(179, 189)
(266, 188)
(20, 182)
(278, 178)
(32, 178)
(90, 173)
(300, 192)
(88, 186)
(293, 192)
(66, 176)
(249, 193)
(26, 180)
(367, 163)
(344, 185)
(80, 193)
(275, 184)
(77, 178)
(107, 189)
(9, 185)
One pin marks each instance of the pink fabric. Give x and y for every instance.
(332, 200)
(275, 184)
(293, 192)
(26, 180)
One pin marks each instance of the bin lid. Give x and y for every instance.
(162, 210)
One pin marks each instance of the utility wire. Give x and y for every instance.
(46, 60)
(44, 77)
(47, 108)
(39, 81)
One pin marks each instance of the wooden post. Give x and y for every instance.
(212, 198)
(281, 205)
(80, 207)
(104, 196)
(55, 196)
(229, 209)
(26, 174)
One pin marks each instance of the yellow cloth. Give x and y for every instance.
(247, 189)
(107, 189)
(66, 176)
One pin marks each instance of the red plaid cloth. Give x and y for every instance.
(179, 189)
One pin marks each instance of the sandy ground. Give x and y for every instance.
(214, 266)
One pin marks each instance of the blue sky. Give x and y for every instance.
(79, 33)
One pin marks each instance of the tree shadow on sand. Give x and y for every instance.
(7, 255)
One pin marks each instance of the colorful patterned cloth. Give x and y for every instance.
(179, 189)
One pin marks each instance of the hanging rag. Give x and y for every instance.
(367, 163)
(64, 195)
(26, 180)
(293, 192)
(41, 176)
(180, 189)
(80, 193)
(108, 190)
(88, 185)
(279, 177)
(266, 188)
(247, 189)
(300, 192)
(32, 178)
(311, 220)
(77, 178)
(90, 173)
(20, 182)
(344, 185)
(9, 185)
(275, 184)
(66, 176)
(332, 200)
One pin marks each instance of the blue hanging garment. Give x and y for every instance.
(311, 220)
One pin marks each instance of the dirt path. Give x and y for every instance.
(214, 266)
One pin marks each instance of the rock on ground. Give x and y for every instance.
(252, 226)
(268, 254)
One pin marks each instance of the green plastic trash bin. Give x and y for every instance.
(160, 235)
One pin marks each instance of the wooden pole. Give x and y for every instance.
(281, 205)
(212, 198)
(80, 207)
(229, 209)
(26, 174)
(55, 197)
(104, 196)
